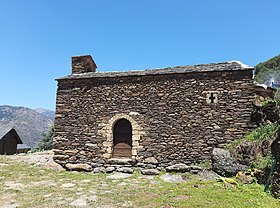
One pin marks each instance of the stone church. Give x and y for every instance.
(167, 116)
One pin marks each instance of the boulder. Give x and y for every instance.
(140, 164)
(78, 167)
(151, 160)
(178, 168)
(171, 178)
(109, 169)
(99, 170)
(121, 161)
(150, 166)
(125, 170)
(149, 171)
(117, 175)
(224, 164)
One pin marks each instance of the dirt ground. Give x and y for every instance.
(43, 159)
(35, 180)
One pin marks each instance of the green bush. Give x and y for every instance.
(46, 142)
(267, 131)
(268, 70)
(275, 101)
(262, 163)
(263, 132)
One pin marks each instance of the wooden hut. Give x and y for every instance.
(9, 142)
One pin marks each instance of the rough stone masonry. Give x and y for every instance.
(159, 117)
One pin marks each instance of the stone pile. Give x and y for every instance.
(151, 167)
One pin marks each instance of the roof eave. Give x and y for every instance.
(134, 73)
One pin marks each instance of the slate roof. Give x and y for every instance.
(213, 67)
(4, 131)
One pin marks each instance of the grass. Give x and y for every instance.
(263, 132)
(275, 101)
(257, 136)
(29, 186)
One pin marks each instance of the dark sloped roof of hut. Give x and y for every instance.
(12, 130)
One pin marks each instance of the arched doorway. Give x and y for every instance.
(122, 139)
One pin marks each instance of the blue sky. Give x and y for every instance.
(38, 38)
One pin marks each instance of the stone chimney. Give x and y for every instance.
(83, 64)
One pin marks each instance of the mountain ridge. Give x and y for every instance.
(29, 123)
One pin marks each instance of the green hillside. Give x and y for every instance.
(268, 71)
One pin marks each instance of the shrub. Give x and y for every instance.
(262, 163)
(46, 142)
(266, 131)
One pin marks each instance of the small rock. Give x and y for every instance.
(121, 161)
(78, 167)
(79, 203)
(140, 164)
(134, 113)
(150, 166)
(68, 185)
(3, 164)
(125, 170)
(92, 198)
(171, 178)
(122, 184)
(118, 175)
(9, 206)
(94, 165)
(13, 185)
(149, 171)
(178, 168)
(151, 160)
(206, 175)
(109, 169)
(216, 127)
(99, 170)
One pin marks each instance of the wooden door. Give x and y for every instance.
(122, 139)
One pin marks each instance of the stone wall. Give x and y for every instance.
(172, 119)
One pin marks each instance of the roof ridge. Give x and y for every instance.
(211, 67)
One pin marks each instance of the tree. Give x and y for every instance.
(46, 142)
(268, 71)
